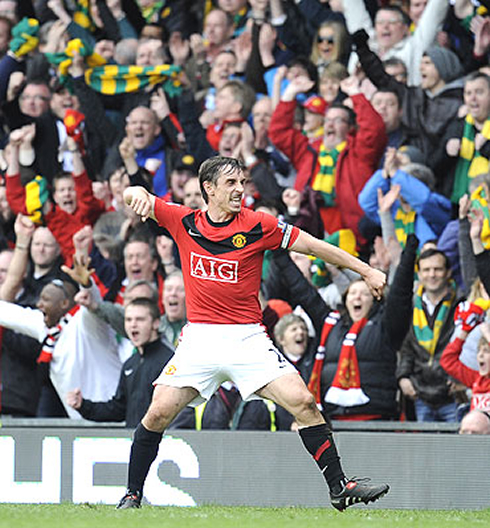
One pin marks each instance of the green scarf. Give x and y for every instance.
(404, 225)
(36, 195)
(150, 11)
(479, 200)
(113, 79)
(470, 163)
(24, 37)
(324, 180)
(426, 336)
(82, 15)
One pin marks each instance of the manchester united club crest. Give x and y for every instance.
(239, 241)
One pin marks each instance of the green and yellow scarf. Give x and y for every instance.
(82, 16)
(470, 163)
(466, 22)
(324, 180)
(479, 201)
(111, 79)
(24, 37)
(36, 195)
(426, 336)
(404, 225)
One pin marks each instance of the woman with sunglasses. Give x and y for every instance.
(329, 44)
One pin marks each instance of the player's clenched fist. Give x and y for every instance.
(140, 201)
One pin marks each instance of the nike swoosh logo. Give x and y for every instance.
(128, 372)
(193, 233)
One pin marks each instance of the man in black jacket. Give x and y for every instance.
(135, 389)
(419, 374)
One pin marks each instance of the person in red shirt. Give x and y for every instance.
(338, 164)
(73, 205)
(478, 380)
(221, 253)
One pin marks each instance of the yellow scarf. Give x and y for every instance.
(324, 180)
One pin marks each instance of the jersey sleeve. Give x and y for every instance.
(277, 233)
(169, 214)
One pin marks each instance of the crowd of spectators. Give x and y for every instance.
(364, 122)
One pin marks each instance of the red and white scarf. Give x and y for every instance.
(53, 335)
(346, 386)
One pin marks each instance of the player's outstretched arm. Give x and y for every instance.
(141, 202)
(309, 245)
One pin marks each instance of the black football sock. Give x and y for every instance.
(319, 442)
(143, 452)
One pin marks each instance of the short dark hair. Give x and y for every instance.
(148, 303)
(390, 91)
(432, 252)
(351, 115)
(308, 65)
(477, 75)
(139, 237)
(395, 61)
(211, 169)
(61, 175)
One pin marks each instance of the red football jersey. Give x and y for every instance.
(222, 263)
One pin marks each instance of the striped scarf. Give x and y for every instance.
(153, 12)
(479, 201)
(82, 16)
(346, 385)
(24, 37)
(36, 195)
(477, 10)
(426, 336)
(64, 59)
(324, 180)
(470, 163)
(113, 79)
(404, 225)
(53, 335)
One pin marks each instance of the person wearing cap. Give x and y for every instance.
(315, 108)
(183, 167)
(428, 109)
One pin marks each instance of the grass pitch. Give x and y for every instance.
(99, 516)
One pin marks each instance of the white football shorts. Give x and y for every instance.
(210, 354)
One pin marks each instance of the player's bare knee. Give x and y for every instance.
(306, 405)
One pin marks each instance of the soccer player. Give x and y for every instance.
(221, 254)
